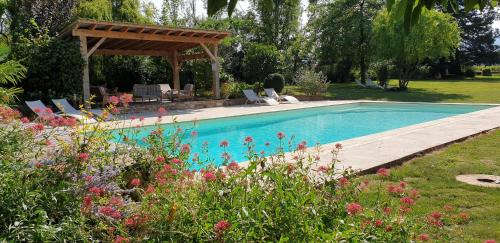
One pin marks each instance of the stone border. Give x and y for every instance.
(472, 179)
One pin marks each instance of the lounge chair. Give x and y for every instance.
(67, 108)
(102, 94)
(40, 109)
(369, 84)
(253, 97)
(147, 92)
(272, 94)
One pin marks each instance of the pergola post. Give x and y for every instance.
(175, 70)
(215, 72)
(86, 78)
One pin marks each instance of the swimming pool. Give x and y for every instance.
(323, 125)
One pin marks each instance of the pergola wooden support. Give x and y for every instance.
(115, 38)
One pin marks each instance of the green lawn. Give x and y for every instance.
(434, 174)
(477, 90)
(434, 177)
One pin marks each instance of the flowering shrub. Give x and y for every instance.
(71, 183)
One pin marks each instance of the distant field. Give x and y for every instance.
(477, 90)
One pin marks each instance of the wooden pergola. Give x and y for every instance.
(115, 38)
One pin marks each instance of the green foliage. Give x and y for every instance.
(233, 89)
(435, 36)
(11, 72)
(311, 83)
(486, 72)
(469, 72)
(275, 81)
(259, 61)
(95, 9)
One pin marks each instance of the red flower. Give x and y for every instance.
(135, 182)
(106, 210)
(83, 156)
(343, 181)
(323, 169)
(186, 148)
(302, 146)
(222, 226)
(209, 176)
(280, 135)
(233, 166)
(423, 237)
(116, 201)
(114, 100)
(176, 161)
(435, 215)
(406, 200)
(141, 118)
(378, 223)
(490, 241)
(383, 172)
(126, 98)
(121, 239)
(354, 208)
(162, 111)
(116, 214)
(387, 210)
(435, 219)
(24, 120)
(160, 159)
(402, 184)
(38, 127)
(87, 201)
(194, 134)
(150, 189)
(414, 194)
(248, 139)
(224, 143)
(464, 216)
(96, 191)
(338, 146)
(130, 222)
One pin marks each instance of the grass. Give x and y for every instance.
(434, 174)
(478, 90)
(434, 177)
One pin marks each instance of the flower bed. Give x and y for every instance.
(60, 180)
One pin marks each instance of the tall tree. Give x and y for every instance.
(435, 36)
(344, 30)
(279, 21)
(170, 12)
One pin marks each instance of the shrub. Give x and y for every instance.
(310, 82)
(86, 189)
(259, 61)
(233, 89)
(486, 72)
(275, 81)
(469, 72)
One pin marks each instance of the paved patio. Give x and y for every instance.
(364, 153)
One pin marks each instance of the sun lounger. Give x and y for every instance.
(68, 109)
(254, 98)
(272, 94)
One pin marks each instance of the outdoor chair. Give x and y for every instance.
(167, 92)
(272, 94)
(40, 109)
(101, 94)
(187, 92)
(64, 106)
(254, 98)
(147, 92)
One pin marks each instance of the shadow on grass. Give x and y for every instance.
(353, 92)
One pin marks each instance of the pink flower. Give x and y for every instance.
(160, 159)
(186, 148)
(194, 134)
(115, 110)
(150, 189)
(387, 210)
(176, 161)
(135, 182)
(121, 239)
(116, 201)
(96, 191)
(141, 118)
(221, 226)
(114, 100)
(116, 214)
(323, 169)
(233, 166)
(224, 143)
(402, 184)
(248, 139)
(209, 176)
(126, 98)
(378, 223)
(280, 135)
(162, 111)
(383, 172)
(435, 215)
(343, 181)
(489, 241)
(407, 201)
(423, 237)
(38, 127)
(302, 146)
(414, 194)
(83, 156)
(24, 120)
(354, 208)
(106, 210)
(338, 146)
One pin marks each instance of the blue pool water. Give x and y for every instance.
(314, 125)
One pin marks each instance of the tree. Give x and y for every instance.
(344, 34)
(278, 21)
(170, 12)
(260, 61)
(435, 36)
(11, 72)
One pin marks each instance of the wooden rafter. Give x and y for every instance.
(94, 48)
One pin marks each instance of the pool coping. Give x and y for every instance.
(364, 153)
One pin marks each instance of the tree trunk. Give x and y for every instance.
(362, 64)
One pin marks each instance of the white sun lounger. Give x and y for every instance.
(272, 94)
(67, 109)
(252, 97)
(38, 107)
